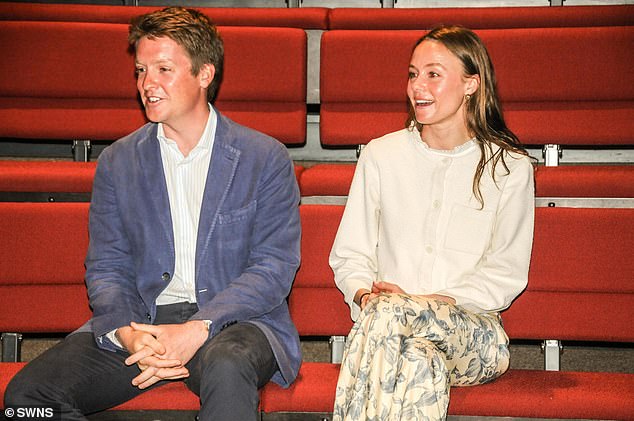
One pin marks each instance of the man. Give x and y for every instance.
(194, 243)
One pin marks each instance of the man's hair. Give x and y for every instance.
(190, 29)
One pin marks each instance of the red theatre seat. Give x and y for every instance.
(482, 17)
(363, 81)
(70, 95)
(304, 18)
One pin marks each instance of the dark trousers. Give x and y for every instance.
(77, 378)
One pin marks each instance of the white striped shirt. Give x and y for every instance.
(185, 178)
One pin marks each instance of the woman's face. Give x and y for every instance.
(437, 86)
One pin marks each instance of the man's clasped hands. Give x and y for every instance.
(161, 351)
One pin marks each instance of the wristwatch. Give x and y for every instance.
(207, 325)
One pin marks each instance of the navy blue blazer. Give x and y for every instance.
(247, 250)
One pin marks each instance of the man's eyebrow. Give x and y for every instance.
(158, 61)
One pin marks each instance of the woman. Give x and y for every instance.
(435, 240)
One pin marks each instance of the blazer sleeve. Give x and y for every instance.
(110, 277)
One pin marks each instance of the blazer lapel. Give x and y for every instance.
(224, 161)
(151, 164)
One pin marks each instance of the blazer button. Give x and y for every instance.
(165, 276)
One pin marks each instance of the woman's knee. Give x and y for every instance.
(385, 304)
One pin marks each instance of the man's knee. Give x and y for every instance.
(242, 351)
(229, 359)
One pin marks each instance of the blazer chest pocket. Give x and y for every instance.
(236, 216)
(235, 226)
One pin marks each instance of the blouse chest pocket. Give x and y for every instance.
(469, 230)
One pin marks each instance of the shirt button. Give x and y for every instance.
(165, 276)
(429, 249)
(436, 204)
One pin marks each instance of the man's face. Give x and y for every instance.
(168, 89)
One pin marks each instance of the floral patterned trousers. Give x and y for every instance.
(404, 352)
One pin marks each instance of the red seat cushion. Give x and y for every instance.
(172, 396)
(548, 394)
(312, 391)
(540, 107)
(481, 17)
(61, 94)
(518, 393)
(327, 180)
(585, 181)
(46, 176)
(305, 17)
(7, 371)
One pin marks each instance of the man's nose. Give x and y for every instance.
(149, 80)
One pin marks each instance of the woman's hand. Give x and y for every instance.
(382, 286)
(439, 297)
(363, 296)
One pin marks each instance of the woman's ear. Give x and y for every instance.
(206, 75)
(473, 83)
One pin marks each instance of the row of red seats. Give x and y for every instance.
(548, 80)
(62, 97)
(70, 80)
(549, 85)
(566, 84)
(322, 18)
(50, 180)
(580, 289)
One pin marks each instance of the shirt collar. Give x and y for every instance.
(206, 140)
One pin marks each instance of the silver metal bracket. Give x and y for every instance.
(11, 346)
(552, 349)
(81, 150)
(552, 154)
(337, 343)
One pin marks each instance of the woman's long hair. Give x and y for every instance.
(483, 113)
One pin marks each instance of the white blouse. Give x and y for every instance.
(412, 219)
